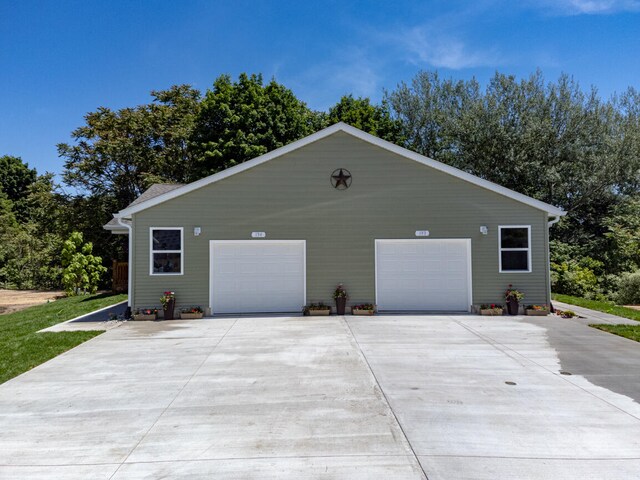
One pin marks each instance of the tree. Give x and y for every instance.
(624, 234)
(242, 120)
(82, 270)
(121, 153)
(550, 141)
(373, 119)
(28, 251)
(15, 179)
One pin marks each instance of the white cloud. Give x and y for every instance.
(590, 7)
(351, 71)
(426, 45)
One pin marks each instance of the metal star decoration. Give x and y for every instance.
(341, 178)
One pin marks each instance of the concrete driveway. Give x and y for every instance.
(399, 397)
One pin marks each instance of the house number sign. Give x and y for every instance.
(258, 234)
(422, 233)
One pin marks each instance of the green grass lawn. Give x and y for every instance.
(628, 331)
(21, 348)
(606, 307)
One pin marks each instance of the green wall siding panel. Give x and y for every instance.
(291, 198)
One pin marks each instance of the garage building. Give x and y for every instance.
(280, 231)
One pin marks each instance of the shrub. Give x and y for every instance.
(629, 289)
(82, 269)
(572, 278)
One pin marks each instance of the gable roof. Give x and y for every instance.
(153, 191)
(357, 133)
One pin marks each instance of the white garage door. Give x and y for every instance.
(429, 274)
(253, 276)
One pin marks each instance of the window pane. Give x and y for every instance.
(166, 263)
(166, 240)
(515, 260)
(514, 238)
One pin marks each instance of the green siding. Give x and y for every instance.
(291, 198)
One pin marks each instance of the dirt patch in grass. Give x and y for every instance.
(15, 300)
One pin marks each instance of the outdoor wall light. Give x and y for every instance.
(484, 230)
(197, 231)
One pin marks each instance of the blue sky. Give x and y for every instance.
(61, 59)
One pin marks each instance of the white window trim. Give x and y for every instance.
(152, 251)
(528, 250)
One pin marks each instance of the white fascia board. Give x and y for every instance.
(343, 127)
(116, 230)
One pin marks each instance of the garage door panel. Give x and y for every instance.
(423, 274)
(257, 276)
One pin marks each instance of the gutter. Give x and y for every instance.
(550, 223)
(128, 226)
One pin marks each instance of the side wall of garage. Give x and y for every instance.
(291, 198)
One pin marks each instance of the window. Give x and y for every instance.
(515, 248)
(166, 251)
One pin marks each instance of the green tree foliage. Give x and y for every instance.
(15, 179)
(119, 154)
(551, 141)
(241, 120)
(629, 289)
(82, 270)
(371, 118)
(575, 278)
(28, 250)
(623, 227)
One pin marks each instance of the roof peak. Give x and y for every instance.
(314, 137)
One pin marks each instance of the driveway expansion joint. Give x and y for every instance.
(173, 400)
(384, 395)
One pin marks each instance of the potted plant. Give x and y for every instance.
(168, 300)
(191, 313)
(492, 309)
(363, 309)
(566, 313)
(513, 297)
(537, 310)
(316, 309)
(145, 314)
(340, 296)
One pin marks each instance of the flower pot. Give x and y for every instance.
(491, 311)
(512, 307)
(141, 316)
(319, 313)
(357, 311)
(168, 309)
(341, 303)
(537, 313)
(190, 315)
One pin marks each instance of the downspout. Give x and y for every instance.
(550, 223)
(128, 226)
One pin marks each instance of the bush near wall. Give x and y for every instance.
(629, 289)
